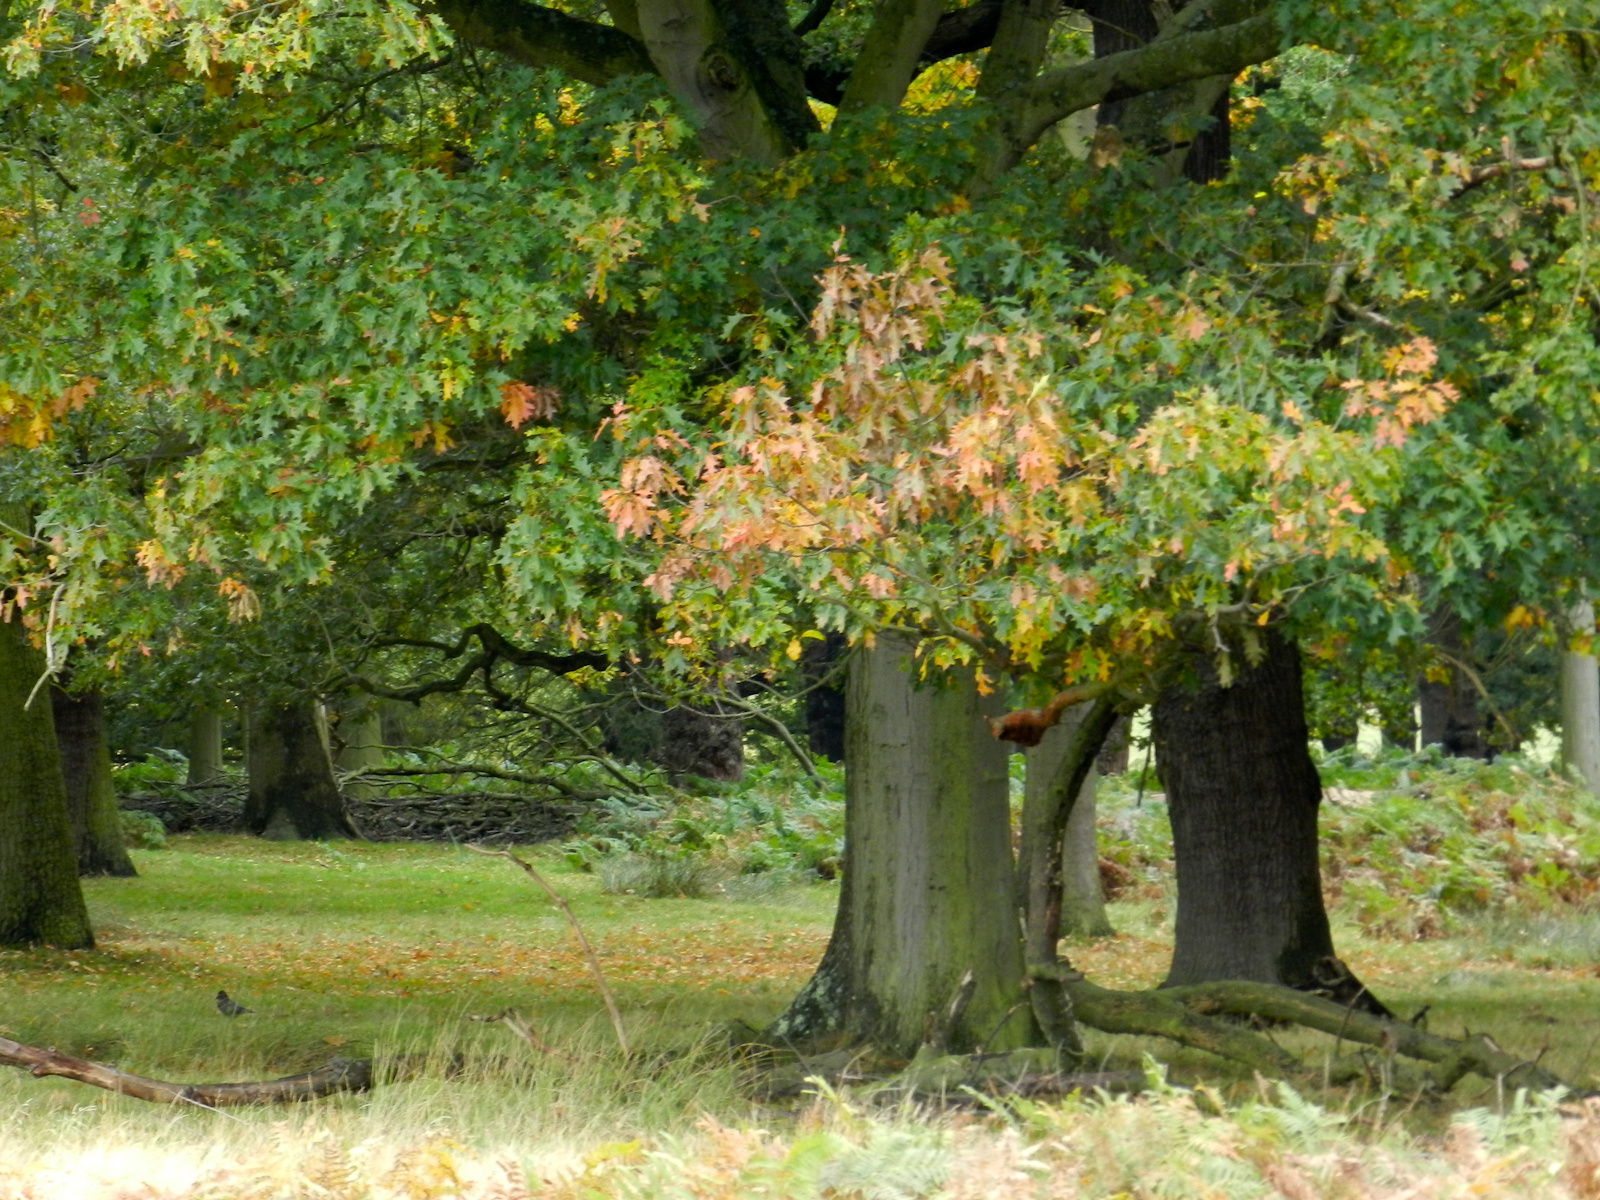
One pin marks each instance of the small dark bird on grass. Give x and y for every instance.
(228, 1006)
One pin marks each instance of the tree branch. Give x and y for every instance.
(588, 950)
(537, 36)
(961, 31)
(815, 16)
(340, 1075)
(1166, 61)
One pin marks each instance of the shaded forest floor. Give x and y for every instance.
(388, 950)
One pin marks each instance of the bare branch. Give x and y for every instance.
(588, 950)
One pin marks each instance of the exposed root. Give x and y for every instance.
(1189, 1015)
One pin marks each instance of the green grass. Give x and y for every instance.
(361, 949)
(388, 950)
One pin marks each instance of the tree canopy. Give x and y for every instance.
(867, 346)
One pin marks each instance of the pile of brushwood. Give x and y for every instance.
(500, 818)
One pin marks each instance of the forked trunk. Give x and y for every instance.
(1243, 793)
(292, 791)
(40, 900)
(97, 837)
(928, 890)
(1082, 903)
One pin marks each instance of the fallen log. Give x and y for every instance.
(338, 1075)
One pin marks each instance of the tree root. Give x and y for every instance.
(339, 1075)
(1190, 1016)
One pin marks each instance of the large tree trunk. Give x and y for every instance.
(1451, 717)
(1243, 793)
(80, 722)
(928, 892)
(40, 900)
(1580, 703)
(205, 744)
(1083, 903)
(292, 791)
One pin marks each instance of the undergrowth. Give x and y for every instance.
(1171, 1142)
(776, 819)
(1414, 846)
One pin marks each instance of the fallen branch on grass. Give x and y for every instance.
(588, 950)
(339, 1075)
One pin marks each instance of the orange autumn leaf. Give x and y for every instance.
(521, 402)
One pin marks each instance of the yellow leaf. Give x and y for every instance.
(793, 650)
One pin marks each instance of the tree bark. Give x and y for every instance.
(1243, 793)
(80, 722)
(1113, 756)
(1580, 703)
(205, 744)
(40, 899)
(1451, 717)
(928, 894)
(889, 55)
(292, 791)
(1083, 904)
(690, 44)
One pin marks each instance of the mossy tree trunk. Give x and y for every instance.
(1083, 903)
(292, 790)
(205, 744)
(80, 724)
(928, 892)
(40, 900)
(1243, 794)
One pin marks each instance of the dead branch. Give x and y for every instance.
(588, 950)
(339, 1075)
(523, 1028)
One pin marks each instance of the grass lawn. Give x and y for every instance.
(362, 949)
